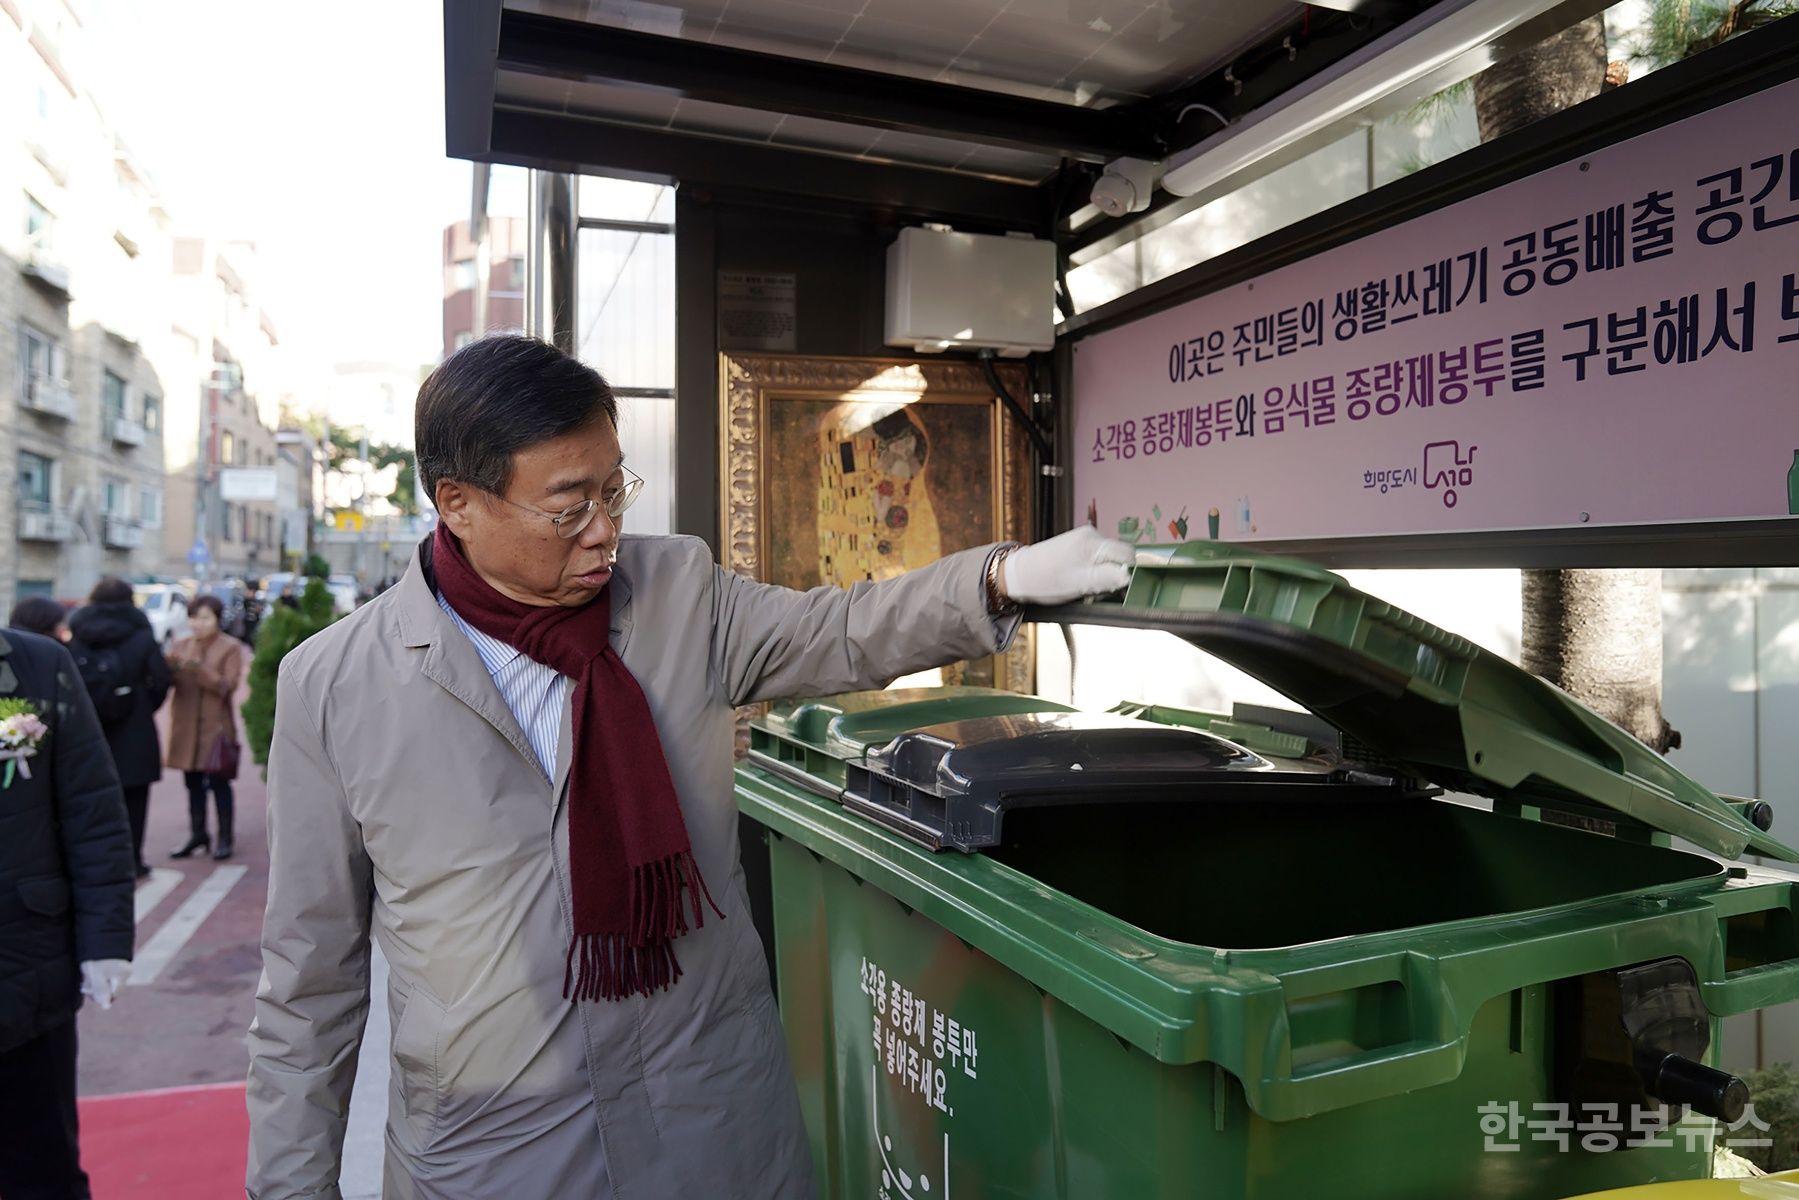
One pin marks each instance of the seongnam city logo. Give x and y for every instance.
(1448, 469)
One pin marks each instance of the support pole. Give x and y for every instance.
(550, 260)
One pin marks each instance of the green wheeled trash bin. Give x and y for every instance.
(1431, 938)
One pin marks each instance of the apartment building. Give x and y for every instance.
(224, 517)
(84, 259)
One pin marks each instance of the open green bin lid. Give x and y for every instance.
(1424, 700)
(848, 726)
(811, 741)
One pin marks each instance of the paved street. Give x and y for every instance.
(181, 1021)
(186, 1024)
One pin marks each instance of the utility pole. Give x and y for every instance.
(200, 464)
(204, 473)
(362, 508)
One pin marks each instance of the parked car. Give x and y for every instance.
(344, 593)
(166, 606)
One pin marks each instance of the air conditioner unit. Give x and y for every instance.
(42, 264)
(122, 533)
(49, 396)
(948, 290)
(44, 525)
(127, 432)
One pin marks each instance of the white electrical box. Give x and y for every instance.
(972, 291)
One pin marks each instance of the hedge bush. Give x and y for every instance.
(282, 630)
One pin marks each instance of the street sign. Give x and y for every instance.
(199, 555)
(239, 484)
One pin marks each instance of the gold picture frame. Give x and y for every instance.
(933, 434)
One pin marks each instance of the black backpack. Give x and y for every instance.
(103, 673)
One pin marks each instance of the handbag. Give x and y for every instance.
(222, 759)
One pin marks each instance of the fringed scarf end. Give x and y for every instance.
(603, 966)
(697, 889)
(611, 966)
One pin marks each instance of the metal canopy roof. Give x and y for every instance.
(989, 110)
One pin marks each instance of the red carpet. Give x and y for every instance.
(172, 1144)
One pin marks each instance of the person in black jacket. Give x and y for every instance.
(66, 922)
(40, 614)
(113, 623)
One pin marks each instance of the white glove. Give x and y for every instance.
(102, 979)
(1081, 562)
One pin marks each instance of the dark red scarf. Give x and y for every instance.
(629, 857)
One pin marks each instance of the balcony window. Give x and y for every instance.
(38, 222)
(39, 354)
(150, 506)
(114, 499)
(34, 481)
(112, 395)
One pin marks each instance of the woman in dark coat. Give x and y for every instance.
(65, 914)
(113, 625)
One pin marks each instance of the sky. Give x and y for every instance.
(315, 130)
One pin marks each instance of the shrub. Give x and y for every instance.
(282, 630)
(1775, 1094)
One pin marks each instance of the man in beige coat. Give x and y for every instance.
(419, 792)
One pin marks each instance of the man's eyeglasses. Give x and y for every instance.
(576, 517)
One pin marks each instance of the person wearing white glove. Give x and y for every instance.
(518, 448)
(101, 979)
(1070, 566)
(66, 921)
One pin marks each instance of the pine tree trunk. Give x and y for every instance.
(1556, 73)
(1597, 635)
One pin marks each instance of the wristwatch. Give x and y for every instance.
(998, 603)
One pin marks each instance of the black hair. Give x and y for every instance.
(495, 397)
(211, 604)
(37, 614)
(111, 590)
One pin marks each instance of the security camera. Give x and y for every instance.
(1126, 186)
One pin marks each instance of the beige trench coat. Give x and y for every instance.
(405, 800)
(203, 701)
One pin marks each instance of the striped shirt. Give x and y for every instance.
(534, 692)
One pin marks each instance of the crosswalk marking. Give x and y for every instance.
(167, 942)
(153, 891)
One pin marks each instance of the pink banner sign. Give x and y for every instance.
(1611, 341)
